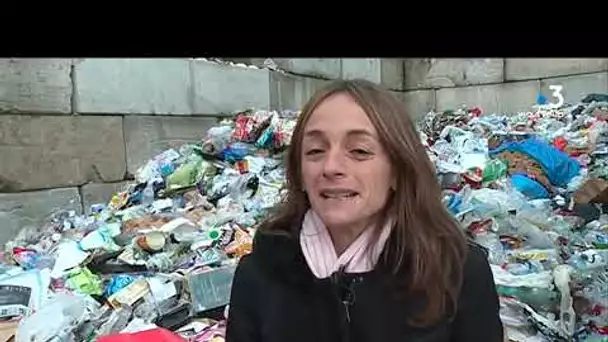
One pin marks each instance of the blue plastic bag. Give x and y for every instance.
(558, 166)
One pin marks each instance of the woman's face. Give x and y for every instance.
(346, 172)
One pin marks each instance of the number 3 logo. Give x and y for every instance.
(557, 93)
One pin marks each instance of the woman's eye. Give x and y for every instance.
(360, 152)
(313, 152)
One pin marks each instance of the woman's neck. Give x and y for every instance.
(342, 237)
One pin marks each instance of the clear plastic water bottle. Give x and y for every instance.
(117, 321)
(148, 195)
(590, 259)
(519, 268)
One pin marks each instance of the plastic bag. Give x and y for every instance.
(495, 248)
(567, 316)
(558, 166)
(596, 130)
(55, 321)
(535, 237)
(37, 281)
(540, 280)
(490, 202)
(473, 152)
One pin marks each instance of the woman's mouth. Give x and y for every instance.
(338, 194)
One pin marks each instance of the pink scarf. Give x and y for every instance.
(321, 256)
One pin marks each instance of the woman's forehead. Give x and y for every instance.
(339, 114)
(349, 133)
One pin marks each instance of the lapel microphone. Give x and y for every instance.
(344, 289)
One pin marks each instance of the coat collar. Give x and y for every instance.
(279, 255)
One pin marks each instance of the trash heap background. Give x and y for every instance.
(158, 258)
(532, 189)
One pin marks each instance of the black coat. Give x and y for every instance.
(276, 298)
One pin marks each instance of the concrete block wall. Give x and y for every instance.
(73, 131)
(498, 84)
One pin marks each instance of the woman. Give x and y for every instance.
(363, 248)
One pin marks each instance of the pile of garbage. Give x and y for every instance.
(157, 260)
(159, 257)
(533, 189)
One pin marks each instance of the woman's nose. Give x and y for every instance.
(334, 164)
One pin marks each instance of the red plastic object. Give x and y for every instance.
(473, 177)
(560, 143)
(157, 335)
(476, 112)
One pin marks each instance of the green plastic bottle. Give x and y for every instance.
(494, 169)
(539, 299)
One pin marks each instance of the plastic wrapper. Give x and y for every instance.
(82, 280)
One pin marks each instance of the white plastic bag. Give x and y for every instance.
(55, 321)
(542, 279)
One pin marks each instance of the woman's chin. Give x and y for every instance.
(338, 218)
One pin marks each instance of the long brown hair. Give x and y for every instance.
(427, 242)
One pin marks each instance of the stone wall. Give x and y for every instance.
(73, 131)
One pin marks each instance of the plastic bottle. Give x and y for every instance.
(519, 268)
(117, 321)
(539, 299)
(596, 338)
(495, 248)
(567, 316)
(597, 238)
(590, 259)
(148, 195)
